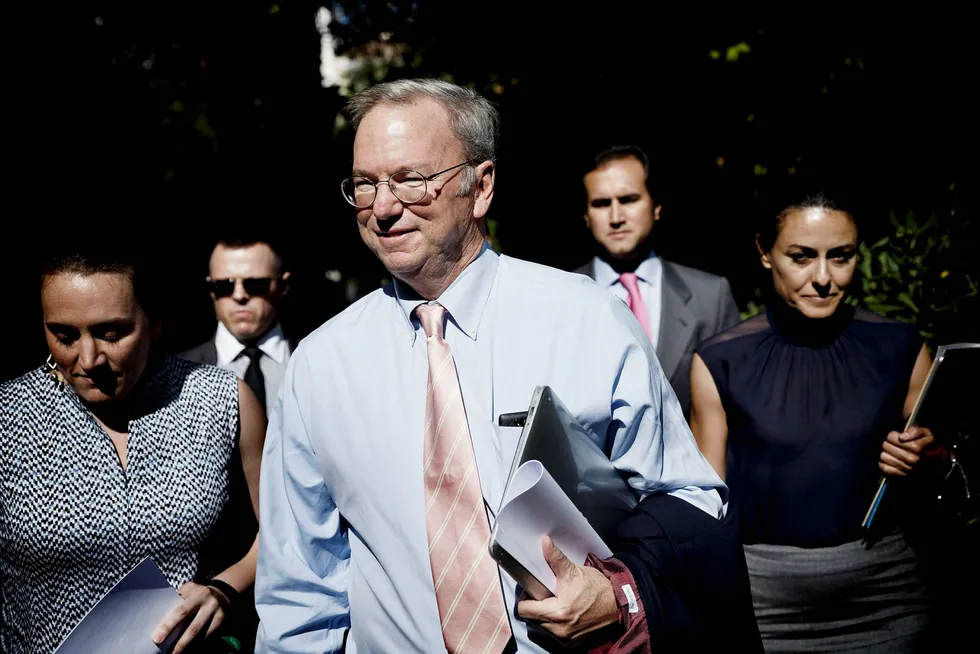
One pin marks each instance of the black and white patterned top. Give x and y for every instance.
(73, 522)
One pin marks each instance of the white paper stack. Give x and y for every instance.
(536, 506)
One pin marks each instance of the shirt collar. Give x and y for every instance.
(465, 298)
(606, 276)
(273, 343)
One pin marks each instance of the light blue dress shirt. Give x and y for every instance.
(343, 536)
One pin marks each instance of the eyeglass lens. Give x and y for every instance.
(251, 285)
(406, 185)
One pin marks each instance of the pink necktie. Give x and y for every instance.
(635, 300)
(471, 604)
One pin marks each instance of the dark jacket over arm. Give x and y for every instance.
(690, 572)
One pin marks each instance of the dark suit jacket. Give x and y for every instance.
(690, 571)
(206, 352)
(695, 306)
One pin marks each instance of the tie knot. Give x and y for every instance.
(253, 353)
(628, 280)
(433, 319)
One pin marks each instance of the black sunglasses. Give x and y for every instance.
(251, 285)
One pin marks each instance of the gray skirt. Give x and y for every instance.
(839, 599)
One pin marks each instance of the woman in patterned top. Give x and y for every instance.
(113, 452)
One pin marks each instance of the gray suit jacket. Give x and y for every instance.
(696, 305)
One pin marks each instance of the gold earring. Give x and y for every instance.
(50, 364)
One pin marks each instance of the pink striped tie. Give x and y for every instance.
(635, 300)
(466, 581)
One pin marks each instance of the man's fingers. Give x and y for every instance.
(538, 610)
(559, 563)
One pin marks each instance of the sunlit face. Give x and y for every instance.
(421, 242)
(97, 333)
(813, 260)
(620, 212)
(246, 316)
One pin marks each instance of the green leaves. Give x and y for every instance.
(732, 53)
(737, 50)
(908, 276)
(906, 299)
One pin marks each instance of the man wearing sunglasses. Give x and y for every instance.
(246, 282)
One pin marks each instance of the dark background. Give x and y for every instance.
(183, 121)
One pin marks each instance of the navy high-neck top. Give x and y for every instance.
(809, 403)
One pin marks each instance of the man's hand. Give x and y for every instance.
(585, 600)
(902, 451)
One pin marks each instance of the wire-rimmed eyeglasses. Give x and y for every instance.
(409, 186)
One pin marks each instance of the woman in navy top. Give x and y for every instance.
(801, 409)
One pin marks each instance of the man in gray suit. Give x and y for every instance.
(679, 307)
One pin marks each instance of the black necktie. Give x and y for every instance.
(253, 374)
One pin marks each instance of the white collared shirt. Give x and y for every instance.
(649, 276)
(231, 356)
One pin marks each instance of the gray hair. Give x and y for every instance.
(473, 118)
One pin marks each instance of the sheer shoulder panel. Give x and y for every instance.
(753, 325)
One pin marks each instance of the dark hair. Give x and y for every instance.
(769, 229)
(617, 152)
(622, 152)
(248, 239)
(110, 256)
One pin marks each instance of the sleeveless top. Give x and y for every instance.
(809, 404)
(73, 521)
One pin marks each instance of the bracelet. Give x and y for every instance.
(225, 589)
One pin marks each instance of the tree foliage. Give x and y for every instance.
(186, 117)
(924, 274)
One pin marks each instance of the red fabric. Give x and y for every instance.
(635, 637)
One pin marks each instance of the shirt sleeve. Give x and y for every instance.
(635, 637)
(301, 578)
(650, 439)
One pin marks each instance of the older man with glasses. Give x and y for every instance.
(247, 282)
(384, 459)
